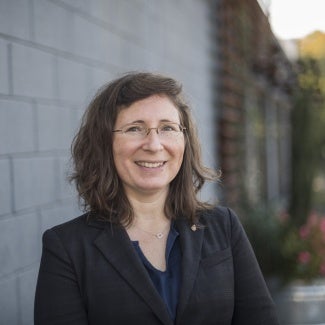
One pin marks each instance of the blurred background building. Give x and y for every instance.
(55, 54)
(255, 86)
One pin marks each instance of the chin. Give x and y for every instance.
(153, 188)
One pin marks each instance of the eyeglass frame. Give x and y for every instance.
(148, 130)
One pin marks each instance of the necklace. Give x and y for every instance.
(158, 235)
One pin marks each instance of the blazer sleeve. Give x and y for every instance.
(253, 303)
(57, 300)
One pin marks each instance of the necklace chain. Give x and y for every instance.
(158, 235)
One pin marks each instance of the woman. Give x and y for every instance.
(148, 251)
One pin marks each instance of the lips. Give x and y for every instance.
(148, 164)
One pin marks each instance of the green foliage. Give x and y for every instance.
(291, 245)
(285, 250)
(307, 134)
(265, 233)
(304, 248)
(313, 45)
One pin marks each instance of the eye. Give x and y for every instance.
(134, 129)
(169, 127)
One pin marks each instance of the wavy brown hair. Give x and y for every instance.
(95, 176)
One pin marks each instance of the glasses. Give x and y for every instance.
(167, 130)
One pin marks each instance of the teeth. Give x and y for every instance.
(149, 164)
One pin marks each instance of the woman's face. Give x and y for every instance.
(147, 164)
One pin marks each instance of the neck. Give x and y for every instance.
(149, 222)
(148, 212)
(150, 216)
(149, 209)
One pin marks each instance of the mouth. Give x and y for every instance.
(148, 164)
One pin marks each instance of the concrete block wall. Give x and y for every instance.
(54, 54)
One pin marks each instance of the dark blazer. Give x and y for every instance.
(91, 274)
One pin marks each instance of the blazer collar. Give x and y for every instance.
(191, 245)
(117, 248)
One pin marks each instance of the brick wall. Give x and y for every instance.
(254, 84)
(54, 54)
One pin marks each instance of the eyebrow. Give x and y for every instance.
(143, 122)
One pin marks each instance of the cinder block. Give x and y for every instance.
(27, 286)
(8, 301)
(52, 25)
(5, 187)
(127, 17)
(35, 181)
(68, 126)
(48, 126)
(77, 117)
(154, 36)
(16, 127)
(4, 66)
(104, 10)
(59, 214)
(154, 61)
(50, 217)
(83, 37)
(66, 190)
(130, 18)
(83, 5)
(95, 41)
(33, 72)
(73, 81)
(99, 78)
(116, 49)
(20, 243)
(14, 18)
(132, 56)
(55, 127)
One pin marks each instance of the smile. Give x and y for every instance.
(150, 164)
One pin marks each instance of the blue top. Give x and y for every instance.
(167, 282)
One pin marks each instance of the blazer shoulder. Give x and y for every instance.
(222, 222)
(219, 215)
(68, 230)
(79, 221)
(80, 229)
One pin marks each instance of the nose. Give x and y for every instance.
(149, 130)
(152, 141)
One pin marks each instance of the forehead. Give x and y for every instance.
(152, 109)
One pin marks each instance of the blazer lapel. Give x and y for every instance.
(191, 244)
(117, 248)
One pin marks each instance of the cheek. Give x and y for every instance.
(182, 154)
(122, 152)
(120, 163)
(118, 154)
(181, 143)
(179, 149)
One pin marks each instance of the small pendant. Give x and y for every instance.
(193, 228)
(160, 235)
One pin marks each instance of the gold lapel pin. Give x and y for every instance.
(193, 227)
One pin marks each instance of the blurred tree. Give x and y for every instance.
(308, 124)
(313, 45)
